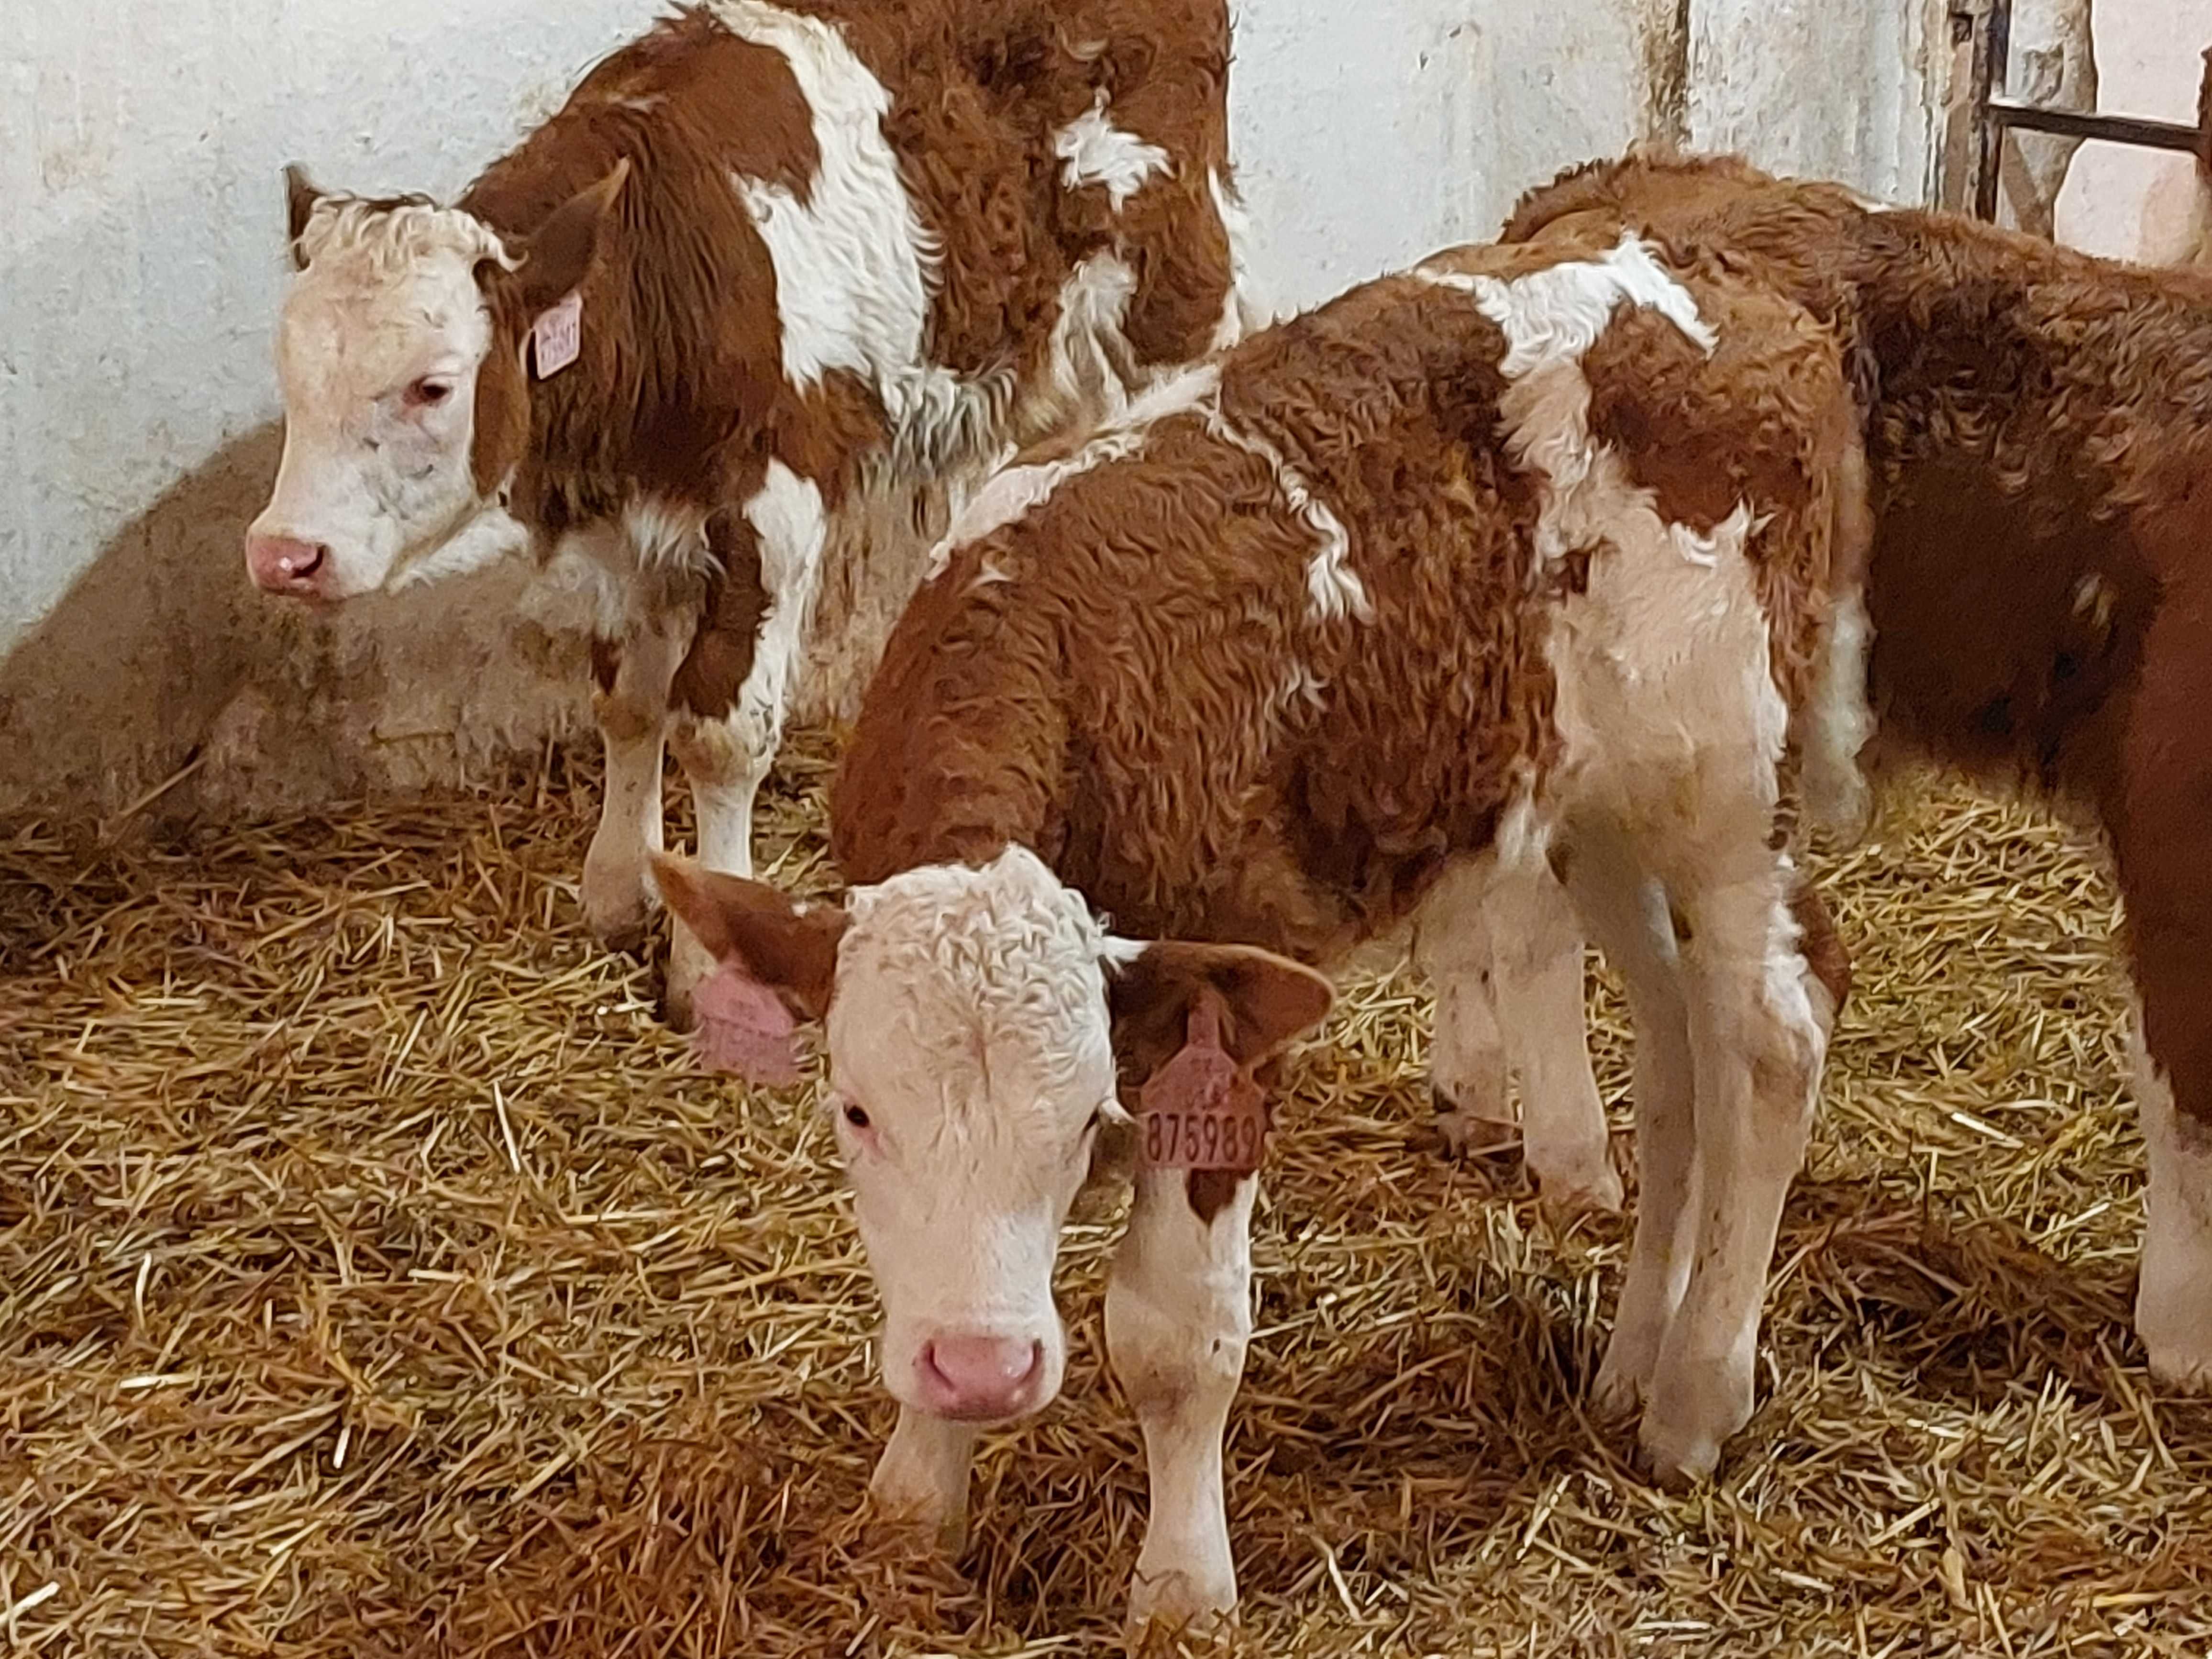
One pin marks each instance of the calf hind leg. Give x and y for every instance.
(1505, 957)
(1759, 1044)
(1178, 1316)
(1626, 912)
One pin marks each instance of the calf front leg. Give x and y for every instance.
(921, 1480)
(631, 707)
(771, 570)
(1178, 1317)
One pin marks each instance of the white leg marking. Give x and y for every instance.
(1838, 724)
(1536, 957)
(1626, 914)
(2173, 1296)
(728, 759)
(1467, 1066)
(1502, 949)
(921, 1480)
(1178, 1316)
(1759, 1048)
(633, 721)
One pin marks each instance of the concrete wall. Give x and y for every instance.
(140, 142)
(2131, 204)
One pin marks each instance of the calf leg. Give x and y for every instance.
(1505, 957)
(1626, 909)
(1178, 1316)
(1467, 1079)
(1536, 956)
(2162, 835)
(771, 565)
(631, 706)
(2173, 1296)
(1758, 1045)
(921, 1480)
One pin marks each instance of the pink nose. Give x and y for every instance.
(282, 564)
(981, 1378)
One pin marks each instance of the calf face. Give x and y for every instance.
(390, 354)
(974, 1018)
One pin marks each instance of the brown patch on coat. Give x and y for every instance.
(721, 655)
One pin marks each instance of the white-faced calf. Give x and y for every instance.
(731, 332)
(1515, 561)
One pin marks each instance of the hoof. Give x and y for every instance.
(1584, 1192)
(1674, 1459)
(1466, 1134)
(1179, 1606)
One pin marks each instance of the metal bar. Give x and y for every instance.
(1991, 61)
(2113, 129)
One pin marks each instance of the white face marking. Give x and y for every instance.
(969, 1025)
(1092, 150)
(383, 336)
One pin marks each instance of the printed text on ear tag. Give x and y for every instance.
(1201, 1110)
(744, 1028)
(557, 338)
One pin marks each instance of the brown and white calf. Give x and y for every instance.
(1518, 560)
(2039, 431)
(730, 333)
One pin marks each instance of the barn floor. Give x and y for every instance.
(376, 1278)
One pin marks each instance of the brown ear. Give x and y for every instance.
(787, 946)
(558, 255)
(1269, 1000)
(300, 199)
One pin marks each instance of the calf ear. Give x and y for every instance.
(558, 255)
(1268, 1000)
(782, 943)
(300, 199)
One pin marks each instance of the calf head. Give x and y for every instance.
(406, 392)
(974, 1019)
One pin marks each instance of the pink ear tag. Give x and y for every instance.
(557, 337)
(744, 1028)
(1202, 1111)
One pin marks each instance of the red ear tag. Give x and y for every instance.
(744, 1028)
(1201, 1110)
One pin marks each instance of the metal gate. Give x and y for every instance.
(1988, 24)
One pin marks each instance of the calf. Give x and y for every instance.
(1519, 559)
(730, 332)
(2039, 426)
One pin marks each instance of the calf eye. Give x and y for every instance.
(856, 1117)
(428, 394)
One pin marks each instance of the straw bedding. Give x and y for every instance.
(376, 1278)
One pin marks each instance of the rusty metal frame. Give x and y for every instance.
(1989, 26)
